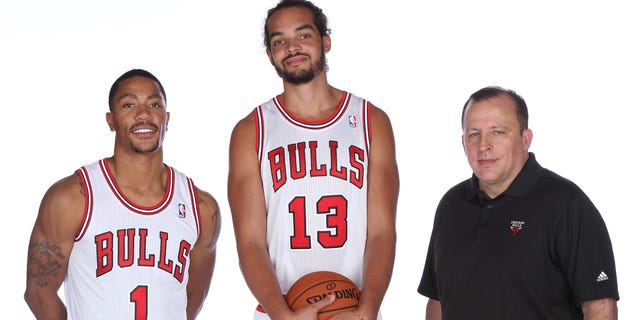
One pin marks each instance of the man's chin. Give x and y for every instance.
(301, 77)
(142, 149)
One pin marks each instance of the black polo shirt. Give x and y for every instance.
(534, 252)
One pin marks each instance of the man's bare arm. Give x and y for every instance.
(50, 245)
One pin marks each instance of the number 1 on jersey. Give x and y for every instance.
(335, 209)
(139, 297)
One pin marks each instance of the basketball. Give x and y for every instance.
(314, 286)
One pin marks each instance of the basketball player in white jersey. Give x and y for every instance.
(131, 237)
(313, 180)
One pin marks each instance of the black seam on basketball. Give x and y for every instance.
(313, 286)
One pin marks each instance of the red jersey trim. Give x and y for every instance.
(164, 202)
(366, 112)
(88, 203)
(195, 204)
(259, 120)
(340, 110)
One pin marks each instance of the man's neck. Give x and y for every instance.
(313, 101)
(139, 173)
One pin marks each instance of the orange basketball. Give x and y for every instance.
(314, 286)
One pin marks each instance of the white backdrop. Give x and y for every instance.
(575, 63)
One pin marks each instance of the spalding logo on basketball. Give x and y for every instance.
(314, 286)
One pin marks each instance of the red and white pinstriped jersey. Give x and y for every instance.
(129, 261)
(314, 176)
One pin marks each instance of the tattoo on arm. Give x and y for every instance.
(82, 190)
(44, 261)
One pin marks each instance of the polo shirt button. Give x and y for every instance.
(490, 206)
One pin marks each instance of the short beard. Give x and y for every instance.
(137, 149)
(304, 76)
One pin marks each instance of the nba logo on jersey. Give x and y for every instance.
(182, 210)
(353, 122)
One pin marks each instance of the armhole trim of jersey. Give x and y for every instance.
(259, 120)
(88, 203)
(366, 112)
(195, 204)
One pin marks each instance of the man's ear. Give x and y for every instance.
(527, 137)
(109, 118)
(326, 43)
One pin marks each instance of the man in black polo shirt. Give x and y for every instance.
(515, 241)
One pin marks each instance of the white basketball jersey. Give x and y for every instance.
(314, 177)
(128, 261)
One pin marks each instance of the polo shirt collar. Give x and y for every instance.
(524, 181)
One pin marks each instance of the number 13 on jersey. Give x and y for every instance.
(334, 207)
